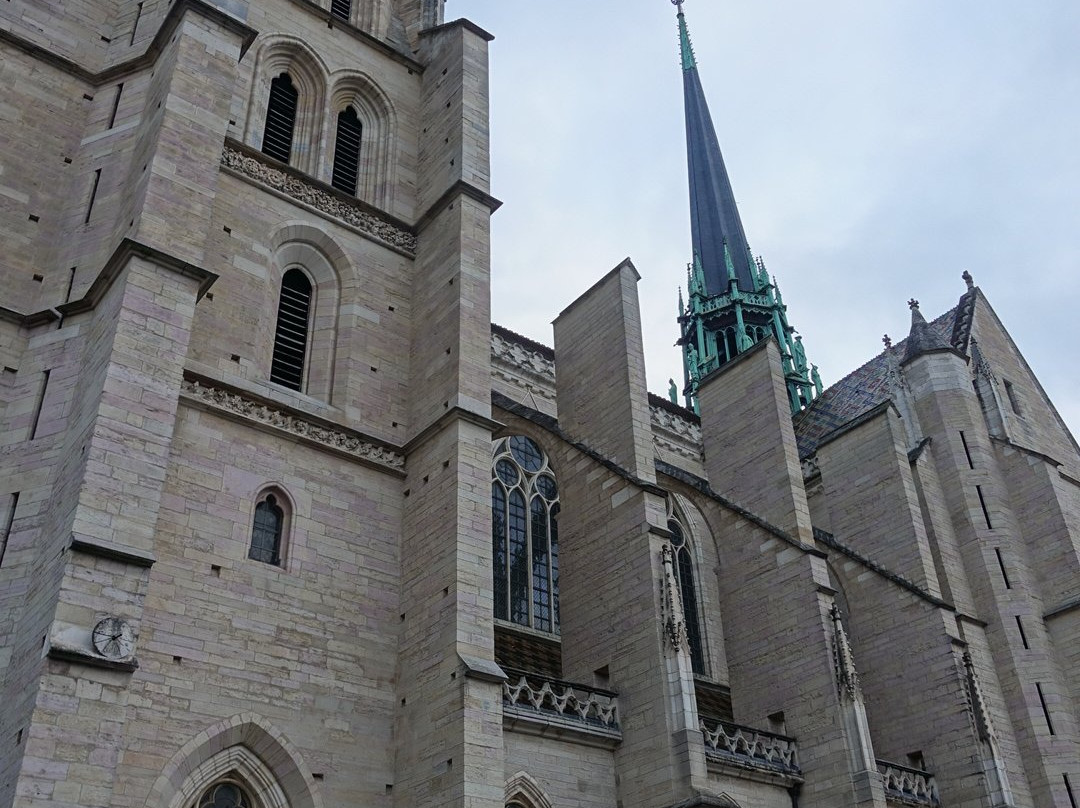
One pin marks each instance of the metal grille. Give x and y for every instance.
(347, 151)
(341, 9)
(290, 341)
(280, 119)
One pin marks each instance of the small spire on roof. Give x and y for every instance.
(923, 338)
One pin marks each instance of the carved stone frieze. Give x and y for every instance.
(522, 358)
(319, 198)
(338, 439)
(674, 434)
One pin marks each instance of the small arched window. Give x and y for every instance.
(226, 794)
(684, 574)
(525, 535)
(280, 118)
(342, 9)
(347, 151)
(291, 334)
(267, 531)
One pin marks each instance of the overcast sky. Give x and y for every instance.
(877, 149)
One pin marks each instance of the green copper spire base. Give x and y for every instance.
(714, 329)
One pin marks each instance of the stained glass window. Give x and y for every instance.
(525, 538)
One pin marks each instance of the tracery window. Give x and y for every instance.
(525, 535)
(347, 151)
(225, 794)
(684, 575)
(267, 531)
(280, 118)
(291, 335)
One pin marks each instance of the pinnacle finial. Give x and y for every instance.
(970, 281)
(887, 340)
(913, 304)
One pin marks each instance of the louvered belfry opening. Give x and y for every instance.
(341, 9)
(280, 119)
(347, 151)
(290, 341)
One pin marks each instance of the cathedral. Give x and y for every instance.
(287, 522)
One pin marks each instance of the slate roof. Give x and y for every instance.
(863, 389)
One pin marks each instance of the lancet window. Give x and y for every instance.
(280, 118)
(347, 151)
(688, 594)
(267, 530)
(291, 334)
(525, 535)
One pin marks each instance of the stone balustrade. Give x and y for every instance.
(750, 747)
(908, 786)
(588, 705)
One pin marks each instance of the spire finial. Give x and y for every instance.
(970, 281)
(913, 304)
(887, 340)
(687, 50)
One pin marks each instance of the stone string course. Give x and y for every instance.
(310, 194)
(338, 439)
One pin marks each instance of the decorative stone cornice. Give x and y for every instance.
(674, 434)
(520, 357)
(314, 194)
(338, 439)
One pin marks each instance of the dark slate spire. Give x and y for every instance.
(714, 218)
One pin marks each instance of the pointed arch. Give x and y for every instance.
(377, 122)
(297, 245)
(246, 748)
(286, 55)
(523, 789)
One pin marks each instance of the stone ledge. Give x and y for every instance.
(113, 553)
(84, 658)
(527, 721)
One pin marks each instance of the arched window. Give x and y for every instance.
(684, 574)
(291, 335)
(347, 151)
(225, 794)
(280, 118)
(525, 535)
(267, 530)
(342, 9)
